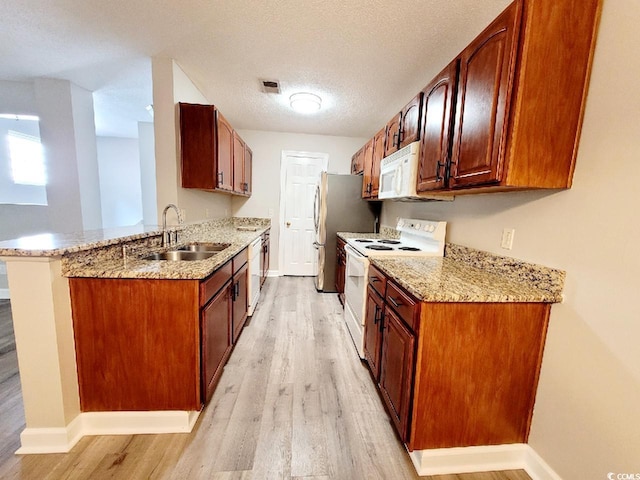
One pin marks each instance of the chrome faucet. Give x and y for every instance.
(166, 236)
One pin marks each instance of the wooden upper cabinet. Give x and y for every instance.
(211, 152)
(410, 120)
(367, 161)
(378, 155)
(238, 163)
(487, 68)
(357, 162)
(225, 140)
(521, 94)
(247, 171)
(198, 146)
(437, 121)
(392, 135)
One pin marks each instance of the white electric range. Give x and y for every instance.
(418, 238)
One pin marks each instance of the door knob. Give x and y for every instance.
(288, 224)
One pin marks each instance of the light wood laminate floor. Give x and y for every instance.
(294, 402)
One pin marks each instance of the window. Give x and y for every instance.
(27, 160)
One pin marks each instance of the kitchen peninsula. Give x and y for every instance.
(42, 270)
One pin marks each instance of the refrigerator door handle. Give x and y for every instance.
(315, 208)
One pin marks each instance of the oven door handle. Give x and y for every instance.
(350, 250)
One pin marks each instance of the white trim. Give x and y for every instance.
(519, 456)
(283, 171)
(62, 440)
(273, 273)
(4, 294)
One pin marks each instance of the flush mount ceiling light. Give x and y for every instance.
(305, 102)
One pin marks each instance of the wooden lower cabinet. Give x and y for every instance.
(373, 331)
(341, 266)
(137, 344)
(396, 370)
(264, 260)
(476, 373)
(457, 374)
(240, 301)
(216, 339)
(147, 344)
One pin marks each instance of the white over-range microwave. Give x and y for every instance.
(399, 173)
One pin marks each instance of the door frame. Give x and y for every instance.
(286, 154)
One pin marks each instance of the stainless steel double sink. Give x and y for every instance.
(190, 252)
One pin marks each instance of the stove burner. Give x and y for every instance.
(389, 242)
(378, 247)
(409, 249)
(364, 240)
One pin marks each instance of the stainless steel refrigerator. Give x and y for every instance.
(339, 207)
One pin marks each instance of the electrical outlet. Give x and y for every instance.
(271, 213)
(507, 238)
(206, 213)
(183, 211)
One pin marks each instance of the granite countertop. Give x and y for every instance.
(469, 275)
(94, 256)
(56, 244)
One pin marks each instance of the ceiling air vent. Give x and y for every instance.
(270, 86)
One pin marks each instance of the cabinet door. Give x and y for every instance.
(216, 339)
(238, 163)
(378, 155)
(485, 84)
(367, 156)
(372, 331)
(340, 266)
(392, 135)
(197, 147)
(396, 370)
(437, 105)
(224, 164)
(240, 301)
(265, 257)
(410, 121)
(248, 165)
(357, 165)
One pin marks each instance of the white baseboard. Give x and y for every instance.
(4, 293)
(520, 456)
(61, 440)
(273, 273)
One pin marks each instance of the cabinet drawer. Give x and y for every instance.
(240, 259)
(377, 280)
(404, 305)
(212, 284)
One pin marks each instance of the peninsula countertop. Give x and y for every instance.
(118, 253)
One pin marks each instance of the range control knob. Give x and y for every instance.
(432, 228)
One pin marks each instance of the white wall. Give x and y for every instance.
(86, 159)
(267, 150)
(586, 420)
(147, 172)
(120, 184)
(170, 86)
(70, 155)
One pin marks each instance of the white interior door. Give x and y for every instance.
(301, 174)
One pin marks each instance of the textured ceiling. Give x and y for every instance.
(365, 58)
